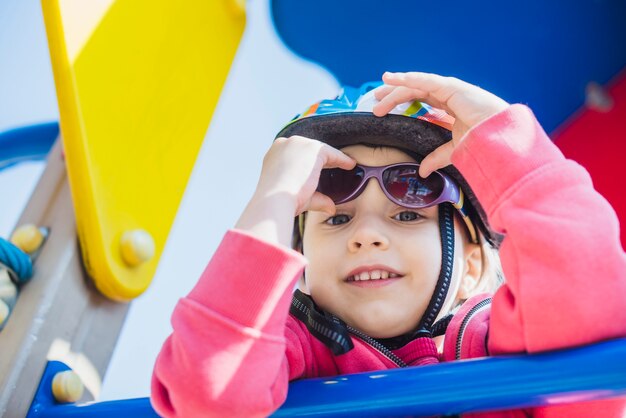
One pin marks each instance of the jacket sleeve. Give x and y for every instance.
(563, 263)
(230, 352)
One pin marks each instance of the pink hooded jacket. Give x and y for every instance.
(235, 347)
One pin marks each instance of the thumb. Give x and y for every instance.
(321, 203)
(437, 159)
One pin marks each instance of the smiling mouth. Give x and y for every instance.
(372, 275)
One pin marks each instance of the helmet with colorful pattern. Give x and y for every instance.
(413, 127)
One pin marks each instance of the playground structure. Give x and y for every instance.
(122, 170)
(71, 311)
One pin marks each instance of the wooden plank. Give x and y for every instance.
(59, 314)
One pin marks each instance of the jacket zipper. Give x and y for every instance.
(364, 337)
(377, 346)
(465, 322)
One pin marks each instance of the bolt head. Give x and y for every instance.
(137, 247)
(67, 387)
(27, 238)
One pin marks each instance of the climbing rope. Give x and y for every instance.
(16, 265)
(16, 260)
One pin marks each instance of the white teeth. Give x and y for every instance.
(374, 275)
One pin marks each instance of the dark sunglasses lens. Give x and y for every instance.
(338, 184)
(409, 189)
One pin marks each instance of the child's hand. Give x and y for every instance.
(287, 187)
(293, 165)
(467, 103)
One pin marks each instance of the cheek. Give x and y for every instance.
(320, 247)
(323, 257)
(321, 283)
(322, 263)
(423, 249)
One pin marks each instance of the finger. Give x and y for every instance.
(437, 159)
(334, 158)
(413, 79)
(438, 90)
(382, 91)
(396, 97)
(423, 81)
(331, 157)
(321, 203)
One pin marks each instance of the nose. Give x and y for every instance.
(368, 232)
(367, 236)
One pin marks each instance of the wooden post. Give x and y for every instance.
(59, 315)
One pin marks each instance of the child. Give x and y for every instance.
(396, 258)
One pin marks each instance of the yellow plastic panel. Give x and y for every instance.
(137, 82)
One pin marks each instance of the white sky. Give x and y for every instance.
(265, 76)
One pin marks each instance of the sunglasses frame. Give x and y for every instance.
(451, 192)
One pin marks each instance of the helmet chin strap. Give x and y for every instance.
(446, 229)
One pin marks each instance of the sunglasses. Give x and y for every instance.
(401, 183)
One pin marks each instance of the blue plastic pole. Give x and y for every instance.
(44, 404)
(135, 408)
(496, 383)
(27, 143)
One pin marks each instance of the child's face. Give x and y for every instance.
(371, 233)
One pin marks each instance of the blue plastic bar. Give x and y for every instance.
(27, 143)
(135, 408)
(593, 372)
(44, 405)
(494, 383)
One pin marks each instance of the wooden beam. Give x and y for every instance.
(59, 315)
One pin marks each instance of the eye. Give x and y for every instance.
(407, 216)
(337, 220)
